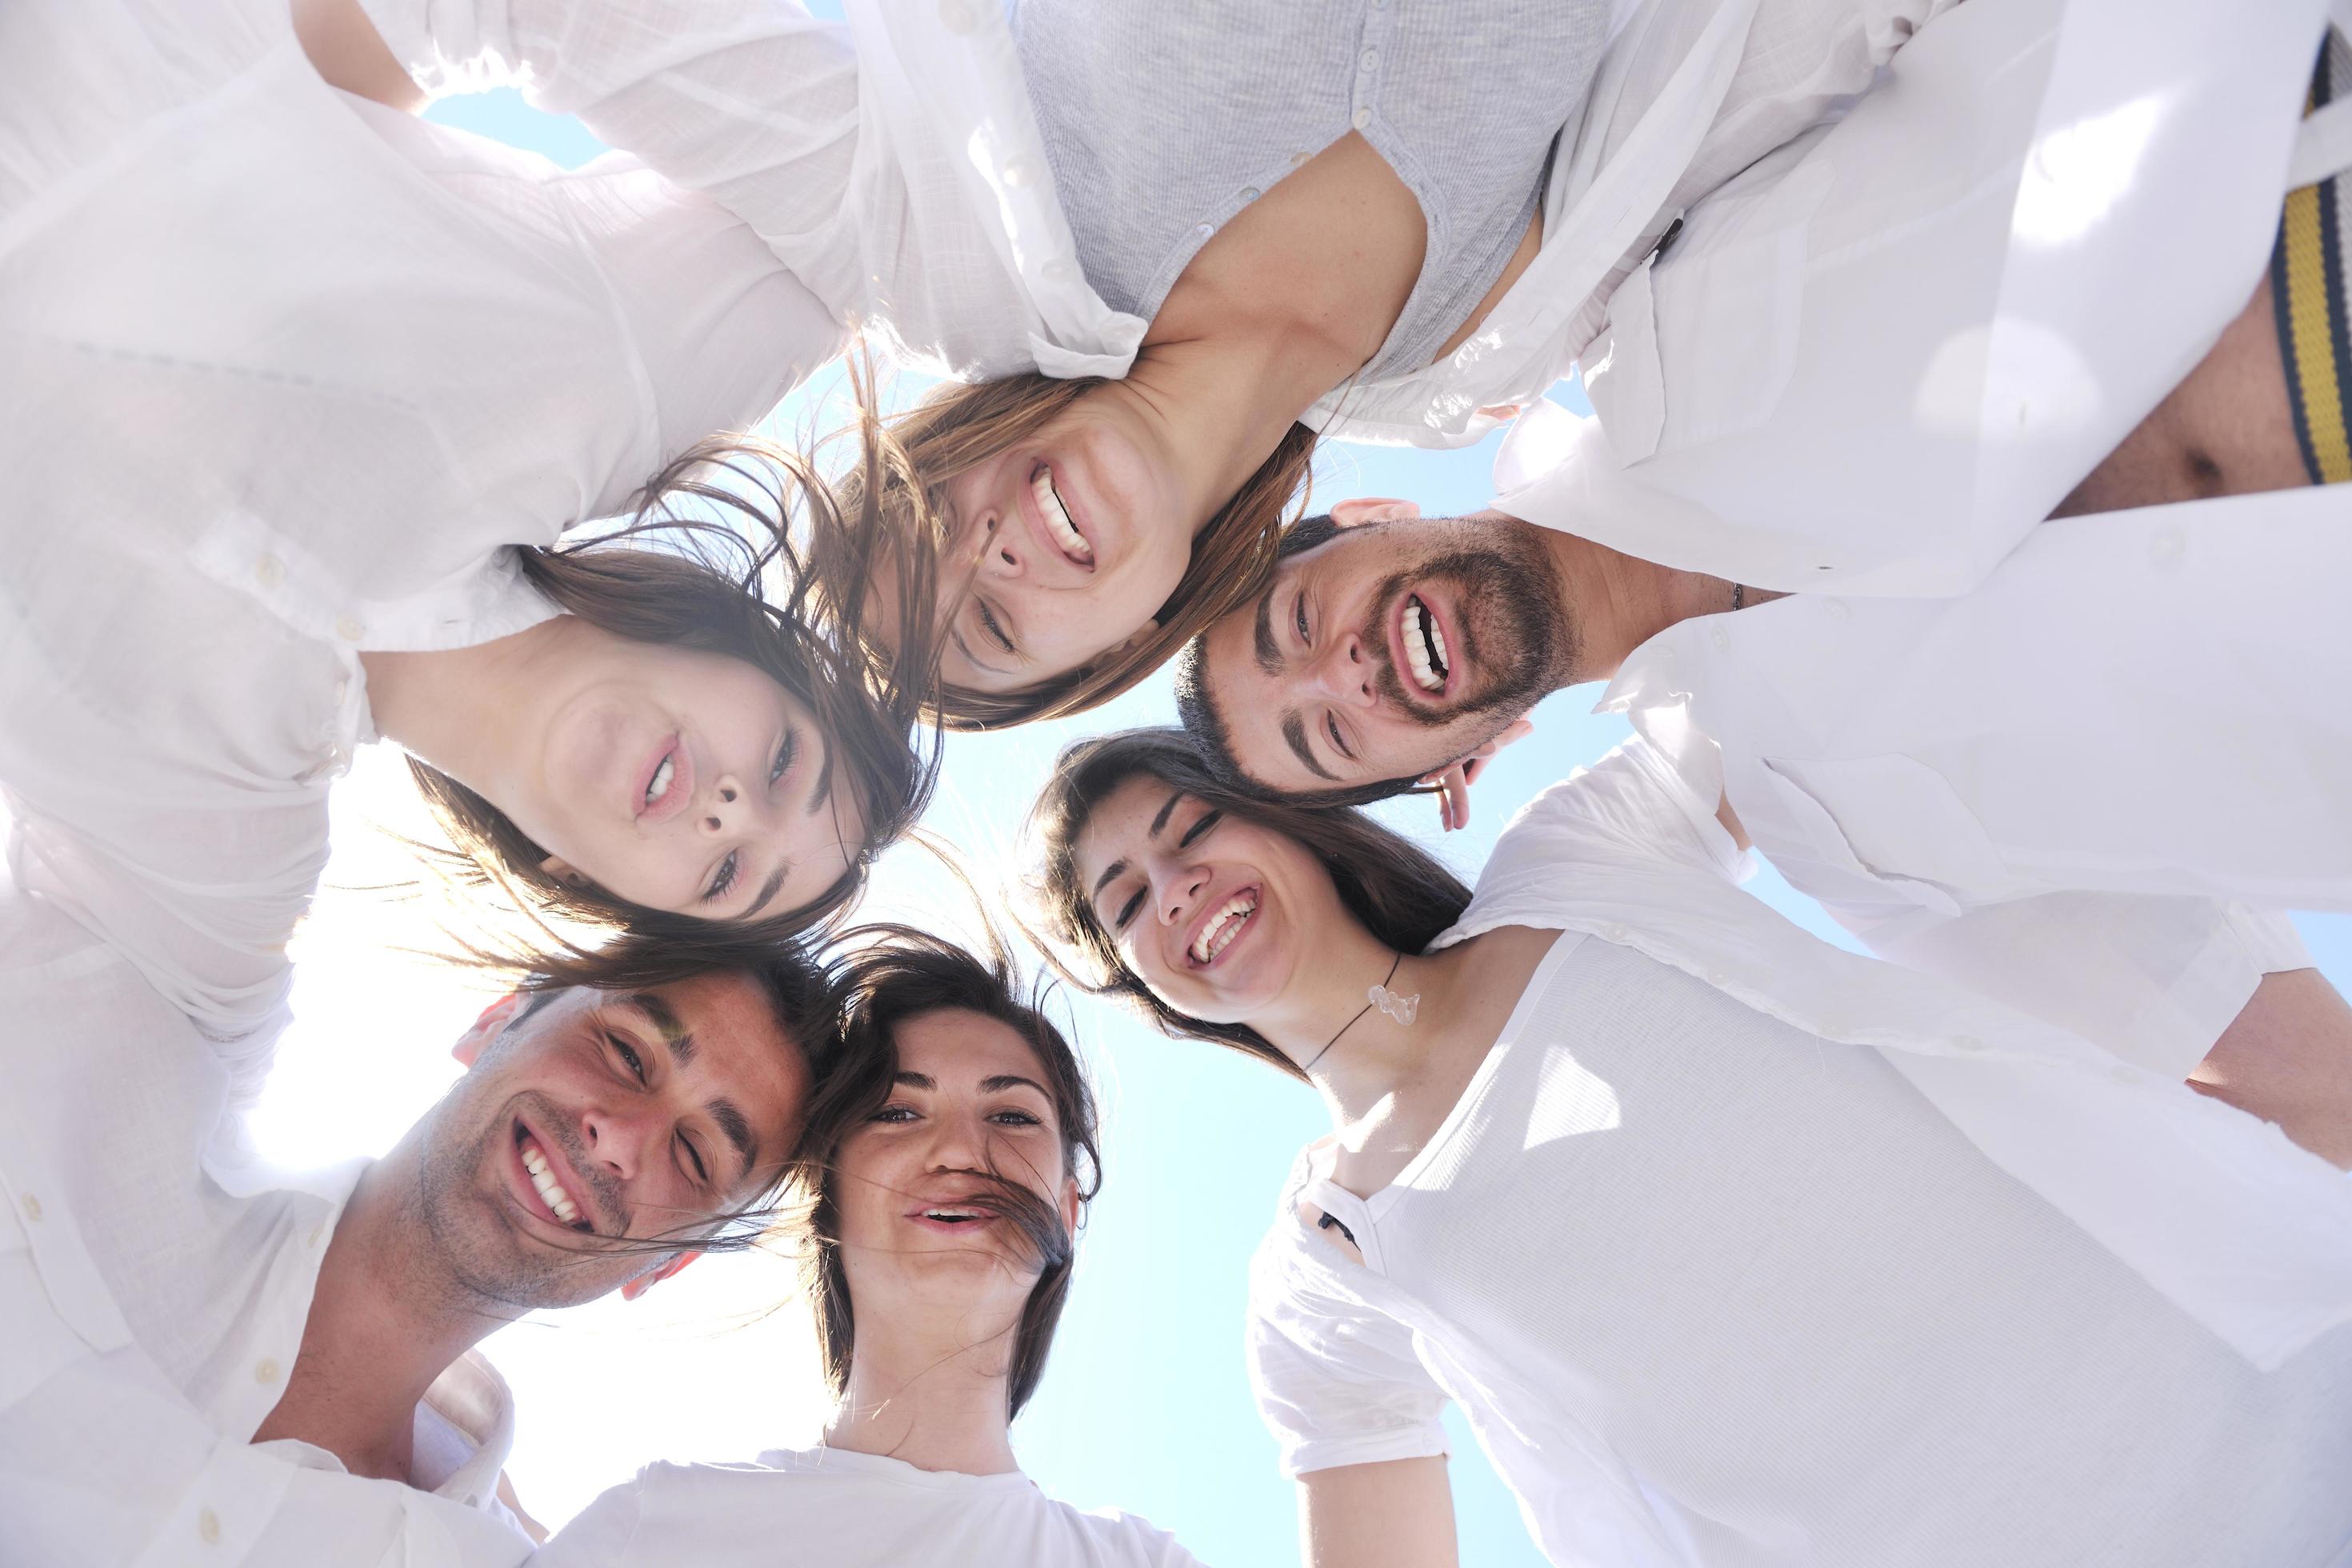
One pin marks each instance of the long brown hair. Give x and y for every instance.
(894, 500)
(668, 576)
(883, 977)
(1404, 895)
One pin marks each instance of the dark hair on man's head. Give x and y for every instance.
(883, 977)
(1197, 711)
(1403, 895)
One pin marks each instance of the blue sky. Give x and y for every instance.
(1145, 1406)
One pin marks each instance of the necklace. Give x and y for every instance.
(1401, 1008)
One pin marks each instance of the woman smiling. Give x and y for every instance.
(950, 1157)
(1735, 1248)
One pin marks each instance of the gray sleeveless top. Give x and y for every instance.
(1162, 120)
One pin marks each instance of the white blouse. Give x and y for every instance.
(909, 185)
(1714, 1282)
(848, 1510)
(281, 372)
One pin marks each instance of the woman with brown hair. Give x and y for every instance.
(303, 396)
(949, 1159)
(1735, 1248)
(1160, 251)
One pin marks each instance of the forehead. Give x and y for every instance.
(957, 1047)
(740, 1048)
(1120, 824)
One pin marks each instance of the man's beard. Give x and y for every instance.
(1520, 644)
(475, 1238)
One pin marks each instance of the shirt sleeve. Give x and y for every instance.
(2150, 979)
(1336, 1381)
(752, 101)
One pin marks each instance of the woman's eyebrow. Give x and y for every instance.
(1004, 1080)
(1167, 809)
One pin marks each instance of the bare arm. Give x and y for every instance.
(348, 53)
(1396, 1514)
(2287, 1059)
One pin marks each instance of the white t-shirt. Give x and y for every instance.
(846, 1509)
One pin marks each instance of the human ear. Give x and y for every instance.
(487, 1027)
(1372, 508)
(563, 871)
(1128, 645)
(1070, 1204)
(644, 1282)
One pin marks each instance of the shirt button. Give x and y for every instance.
(1613, 932)
(343, 690)
(1017, 174)
(349, 628)
(1371, 61)
(959, 15)
(32, 1208)
(1203, 230)
(2164, 547)
(1300, 160)
(1250, 192)
(1719, 636)
(264, 1371)
(1058, 270)
(1361, 118)
(1968, 1043)
(1837, 609)
(208, 1527)
(1717, 978)
(270, 571)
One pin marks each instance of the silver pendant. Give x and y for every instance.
(1401, 1008)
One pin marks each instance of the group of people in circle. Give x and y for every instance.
(329, 425)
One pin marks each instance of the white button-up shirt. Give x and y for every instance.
(156, 1281)
(284, 373)
(1713, 1285)
(908, 184)
(1870, 362)
(2063, 788)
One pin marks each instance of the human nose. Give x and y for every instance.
(959, 1141)
(1004, 554)
(1343, 675)
(616, 1138)
(726, 809)
(1176, 889)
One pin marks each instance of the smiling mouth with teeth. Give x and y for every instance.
(543, 1180)
(659, 784)
(1424, 646)
(1058, 518)
(1218, 931)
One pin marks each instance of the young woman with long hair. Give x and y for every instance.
(1734, 1248)
(302, 395)
(949, 1159)
(1117, 231)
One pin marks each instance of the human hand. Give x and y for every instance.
(1453, 783)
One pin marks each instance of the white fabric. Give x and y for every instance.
(155, 1282)
(1713, 1285)
(848, 1510)
(2245, 1232)
(1874, 361)
(903, 179)
(2065, 787)
(283, 372)
(910, 186)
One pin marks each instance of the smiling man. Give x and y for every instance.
(2083, 788)
(279, 1367)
